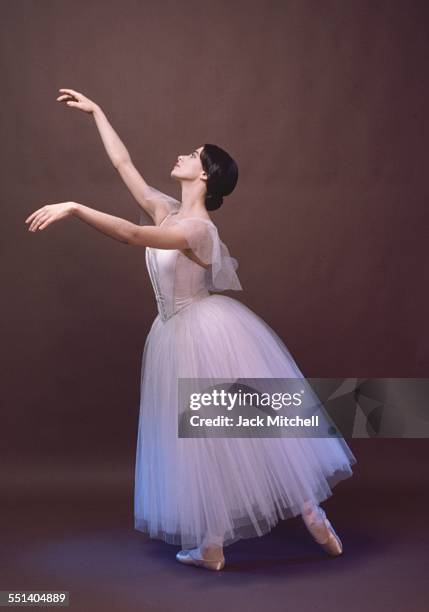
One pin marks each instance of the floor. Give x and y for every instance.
(73, 530)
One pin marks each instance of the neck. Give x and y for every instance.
(193, 199)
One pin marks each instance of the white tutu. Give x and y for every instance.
(191, 489)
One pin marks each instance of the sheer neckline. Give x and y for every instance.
(185, 218)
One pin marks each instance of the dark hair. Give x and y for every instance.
(222, 174)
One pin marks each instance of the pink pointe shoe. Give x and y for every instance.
(321, 529)
(193, 557)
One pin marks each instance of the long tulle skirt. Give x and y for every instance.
(191, 489)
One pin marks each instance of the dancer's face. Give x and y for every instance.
(189, 166)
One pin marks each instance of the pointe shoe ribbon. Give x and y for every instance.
(193, 557)
(322, 531)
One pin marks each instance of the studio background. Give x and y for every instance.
(324, 107)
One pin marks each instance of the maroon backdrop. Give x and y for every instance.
(324, 107)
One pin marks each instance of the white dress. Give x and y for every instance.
(187, 489)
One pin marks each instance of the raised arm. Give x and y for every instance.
(153, 202)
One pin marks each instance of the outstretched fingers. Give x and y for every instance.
(33, 215)
(38, 221)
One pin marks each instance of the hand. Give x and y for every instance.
(77, 100)
(48, 214)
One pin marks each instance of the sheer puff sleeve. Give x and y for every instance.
(203, 238)
(154, 195)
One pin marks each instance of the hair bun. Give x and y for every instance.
(222, 174)
(213, 200)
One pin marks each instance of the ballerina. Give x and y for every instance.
(204, 493)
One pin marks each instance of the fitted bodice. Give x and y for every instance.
(176, 280)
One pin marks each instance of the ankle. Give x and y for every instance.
(212, 551)
(312, 511)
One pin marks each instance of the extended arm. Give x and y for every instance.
(122, 161)
(114, 227)
(130, 233)
(156, 208)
